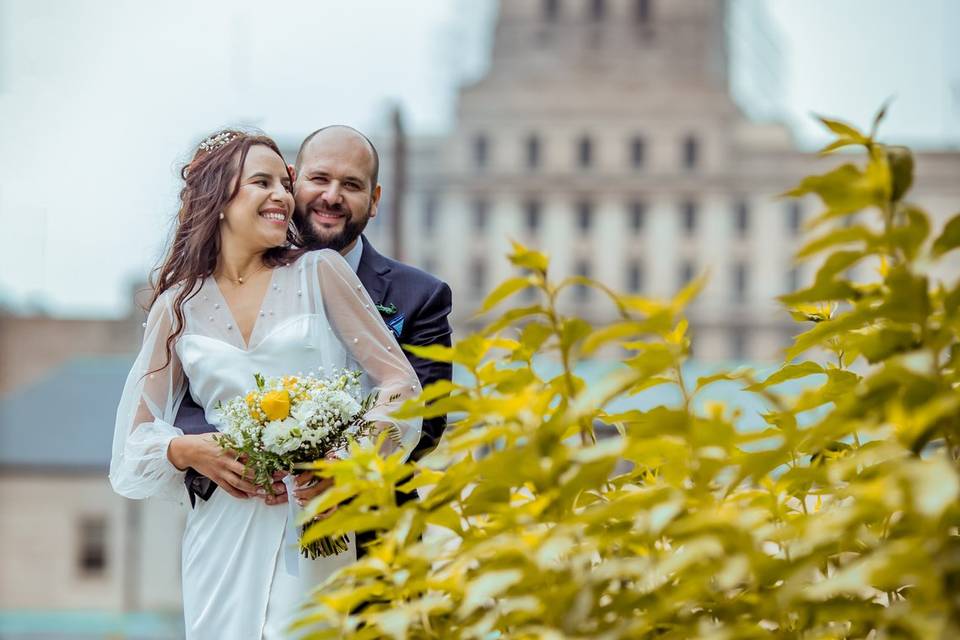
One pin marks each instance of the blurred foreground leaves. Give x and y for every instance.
(837, 523)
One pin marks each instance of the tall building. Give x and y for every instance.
(606, 133)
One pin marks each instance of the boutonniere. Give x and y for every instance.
(393, 319)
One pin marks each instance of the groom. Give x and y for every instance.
(336, 194)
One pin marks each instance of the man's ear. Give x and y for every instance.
(293, 173)
(375, 201)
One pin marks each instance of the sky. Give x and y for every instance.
(846, 57)
(102, 101)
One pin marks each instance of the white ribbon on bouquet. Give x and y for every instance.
(291, 542)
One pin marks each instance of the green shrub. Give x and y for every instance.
(839, 519)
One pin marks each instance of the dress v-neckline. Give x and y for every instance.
(245, 342)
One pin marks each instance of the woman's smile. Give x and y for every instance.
(276, 215)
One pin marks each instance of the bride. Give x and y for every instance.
(233, 299)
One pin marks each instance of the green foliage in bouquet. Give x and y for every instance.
(293, 419)
(839, 519)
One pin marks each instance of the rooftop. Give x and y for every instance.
(66, 419)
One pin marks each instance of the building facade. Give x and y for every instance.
(76, 555)
(606, 133)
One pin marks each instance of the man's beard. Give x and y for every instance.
(353, 226)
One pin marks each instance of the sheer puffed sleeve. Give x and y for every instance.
(357, 323)
(139, 467)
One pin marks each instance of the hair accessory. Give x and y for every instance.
(215, 142)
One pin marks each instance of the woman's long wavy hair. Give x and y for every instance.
(211, 181)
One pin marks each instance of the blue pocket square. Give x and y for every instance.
(396, 324)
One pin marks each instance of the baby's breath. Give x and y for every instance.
(287, 420)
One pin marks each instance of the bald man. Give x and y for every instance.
(336, 191)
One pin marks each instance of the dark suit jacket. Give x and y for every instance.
(423, 303)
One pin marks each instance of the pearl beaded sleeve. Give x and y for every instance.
(139, 467)
(360, 328)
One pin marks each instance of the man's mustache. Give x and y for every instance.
(325, 208)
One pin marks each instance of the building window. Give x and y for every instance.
(642, 12)
(533, 152)
(738, 343)
(740, 277)
(638, 152)
(430, 214)
(584, 216)
(551, 10)
(582, 291)
(478, 276)
(634, 276)
(741, 214)
(532, 215)
(686, 272)
(689, 213)
(481, 151)
(92, 553)
(481, 212)
(584, 152)
(637, 212)
(794, 217)
(691, 151)
(598, 9)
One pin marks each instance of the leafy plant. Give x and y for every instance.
(838, 519)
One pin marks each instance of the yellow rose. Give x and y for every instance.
(276, 404)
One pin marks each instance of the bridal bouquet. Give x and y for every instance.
(295, 419)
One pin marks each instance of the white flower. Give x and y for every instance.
(304, 411)
(345, 404)
(324, 417)
(282, 436)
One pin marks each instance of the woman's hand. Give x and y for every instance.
(206, 456)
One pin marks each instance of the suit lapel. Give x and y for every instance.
(373, 271)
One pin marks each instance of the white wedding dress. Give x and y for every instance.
(315, 314)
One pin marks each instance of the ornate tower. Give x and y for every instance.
(594, 118)
(634, 45)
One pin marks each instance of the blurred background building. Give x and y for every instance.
(609, 133)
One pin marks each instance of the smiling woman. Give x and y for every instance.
(234, 189)
(255, 219)
(235, 300)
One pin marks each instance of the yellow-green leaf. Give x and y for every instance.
(843, 129)
(949, 239)
(503, 291)
(529, 259)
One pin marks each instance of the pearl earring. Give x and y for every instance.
(221, 215)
